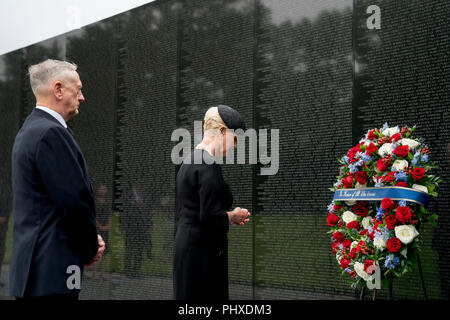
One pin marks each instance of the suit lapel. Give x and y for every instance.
(80, 156)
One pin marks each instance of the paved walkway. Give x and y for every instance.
(117, 286)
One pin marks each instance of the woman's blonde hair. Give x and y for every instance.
(213, 120)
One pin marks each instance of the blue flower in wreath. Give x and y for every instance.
(366, 158)
(402, 203)
(380, 213)
(401, 176)
(415, 158)
(391, 261)
(379, 184)
(353, 168)
(424, 157)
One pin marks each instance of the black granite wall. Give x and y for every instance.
(311, 69)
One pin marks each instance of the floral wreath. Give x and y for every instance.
(381, 234)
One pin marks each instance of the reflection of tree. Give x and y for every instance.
(94, 126)
(304, 89)
(48, 49)
(9, 111)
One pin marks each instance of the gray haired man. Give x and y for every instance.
(54, 229)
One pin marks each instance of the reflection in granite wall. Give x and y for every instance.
(304, 89)
(145, 174)
(94, 130)
(309, 68)
(10, 86)
(402, 76)
(216, 67)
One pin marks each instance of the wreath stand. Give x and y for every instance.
(389, 297)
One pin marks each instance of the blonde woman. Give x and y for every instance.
(201, 244)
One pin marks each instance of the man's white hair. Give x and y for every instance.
(42, 74)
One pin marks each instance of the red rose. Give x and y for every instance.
(401, 184)
(401, 151)
(353, 253)
(344, 263)
(372, 135)
(361, 177)
(335, 246)
(389, 178)
(391, 222)
(382, 164)
(371, 149)
(337, 207)
(353, 225)
(347, 243)
(418, 173)
(387, 204)
(395, 137)
(360, 209)
(403, 214)
(394, 245)
(332, 219)
(363, 232)
(361, 247)
(338, 236)
(367, 264)
(347, 182)
(352, 152)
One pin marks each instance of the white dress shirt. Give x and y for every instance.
(55, 114)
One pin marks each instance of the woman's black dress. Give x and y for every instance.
(201, 246)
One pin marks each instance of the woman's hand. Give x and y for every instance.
(239, 216)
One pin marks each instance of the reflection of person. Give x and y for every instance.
(5, 211)
(442, 232)
(54, 231)
(201, 246)
(169, 234)
(135, 225)
(104, 220)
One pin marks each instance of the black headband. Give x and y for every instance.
(231, 117)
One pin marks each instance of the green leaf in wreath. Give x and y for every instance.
(404, 252)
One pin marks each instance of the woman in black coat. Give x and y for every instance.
(201, 245)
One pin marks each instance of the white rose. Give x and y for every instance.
(412, 144)
(420, 188)
(359, 269)
(354, 244)
(406, 233)
(400, 164)
(379, 243)
(339, 257)
(391, 131)
(350, 202)
(348, 216)
(366, 222)
(359, 186)
(385, 149)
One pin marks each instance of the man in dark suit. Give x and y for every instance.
(54, 229)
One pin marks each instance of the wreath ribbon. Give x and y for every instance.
(374, 194)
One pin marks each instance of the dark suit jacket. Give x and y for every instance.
(54, 213)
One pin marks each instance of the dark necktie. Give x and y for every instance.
(70, 130)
